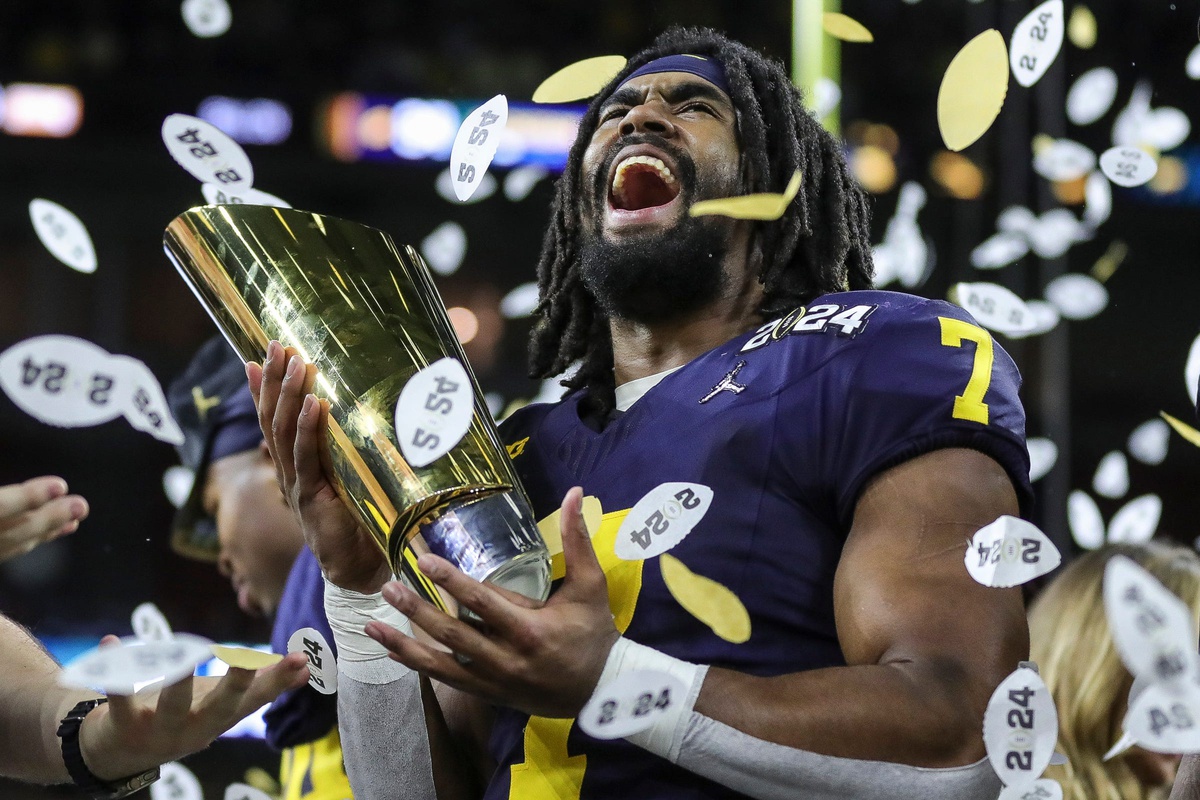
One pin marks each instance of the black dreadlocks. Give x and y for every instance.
(820, 245)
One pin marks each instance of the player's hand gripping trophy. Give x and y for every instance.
(412, 447)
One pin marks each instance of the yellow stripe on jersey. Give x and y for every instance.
(315, 771)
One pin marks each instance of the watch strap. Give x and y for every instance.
(68, 733)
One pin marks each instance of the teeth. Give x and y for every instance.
(655, 163)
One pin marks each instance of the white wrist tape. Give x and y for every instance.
(666, 735)
(360, 657)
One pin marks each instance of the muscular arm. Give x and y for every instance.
(925, 645)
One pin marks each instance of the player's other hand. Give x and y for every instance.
(37, 511)
(132, 734)
(293, 423)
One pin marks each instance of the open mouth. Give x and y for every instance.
(641, 182)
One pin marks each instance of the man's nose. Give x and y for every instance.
(648, 117)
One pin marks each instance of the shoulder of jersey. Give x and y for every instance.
(846, 320)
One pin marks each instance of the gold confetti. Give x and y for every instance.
(580, 80)
(706, 600)
(1182, 428)
(262, 780)
(973, 90)
(552, 534)
(244, 657)
(1081, 27)
(1107, 264)
(767, 206)
(848, 29)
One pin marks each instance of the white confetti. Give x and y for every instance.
(1045, 319)
(1128, 166)
(149, 624)
(1192, 66)
(176, 782)
(63, 235)
(1083, 517)
(520, 302)
(1043, 454)
(206, 18)
(1091, 96)
(444, 185)
(1124, 743)
(445, 248)
(207, 153)
(518, 183)
(1138, 125)
(1077, 296)
(999, 250)
(434, 411)
(475, 145)
(1148, 442)
(826, 96)
(1191, 372)
(993, 306)
(1097, 200)
(242, 791)
(1036, 41)
(219, 196)
(904, 252)
(1055, 231)
(1009, 552)
(1064, 160)
(1041, 789)
(1151, 627)
(661, 519)
(1164, 720)
(144, 405)
(1137, 520)
(1020, 728)
(177, 484)
(1016, 219)
(1112, 476)
(322, 667)
(121, 668)
(631, 703)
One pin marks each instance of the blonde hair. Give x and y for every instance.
(1071, 643)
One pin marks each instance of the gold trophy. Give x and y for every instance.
(414, 452)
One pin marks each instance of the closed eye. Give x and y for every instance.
(613, 112)
(696, 106)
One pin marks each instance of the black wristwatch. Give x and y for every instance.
(68, 731)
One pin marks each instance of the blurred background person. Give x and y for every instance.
(36, 511)
(1073, 648)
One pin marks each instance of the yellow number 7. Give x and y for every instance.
(969, 404)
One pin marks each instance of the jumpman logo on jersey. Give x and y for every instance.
(203, 404)
(727, 384)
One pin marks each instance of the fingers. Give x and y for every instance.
(583, 569)
(436, 664)
(308, 474)
(242, 691)
(17, 498)
(455, 634)
(175, 701)
(287, 410)
(494, 609)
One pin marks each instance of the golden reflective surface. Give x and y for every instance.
(367, 314)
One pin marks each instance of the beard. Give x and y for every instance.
(662, 275)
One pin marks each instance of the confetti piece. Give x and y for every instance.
(1164, 720)
(1128, 166)
(242, 791)
(1020, 728)
(1182, 428)
(1045, 319)
(973, 90)
(1149, 441)
(1112, 476)
(63, 235)
(1064, 160)
(176, 782)
(1107, 264)
(1009, 552)
(207, 152)
(475, 145)
(445, 248)
(1151, 627)
(149, 624)
(245, 657)
(1077, 296)
(1139, 125)
(216, 196)
(766, 206)
(1053, 233)
(631, 703)
(580, 80)
(826, 96)
(444, 185)
(520, 302)
(1097, 193)
(206, 19)
(1081, 27)
(551, 527)
(848, 29)
(706, 600)
(1137, 520)
(1036, 41)
(1043, 454)
(1124, 743)
(1041, 789)
(1191, 372)
(144, 404)
(903, 255)
(518, 183)
(1083, 517)
(434, 411)
(177, 484)
(1193, 64)
(993, 306)
(661, 519)
(322, 667)
(122, 668)
(999, 250)
(1091, 96)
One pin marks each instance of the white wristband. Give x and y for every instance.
(360, 657)
(664, 737)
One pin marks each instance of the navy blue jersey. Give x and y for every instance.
(785, 425)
